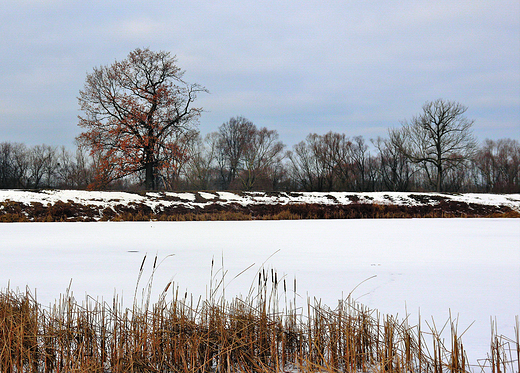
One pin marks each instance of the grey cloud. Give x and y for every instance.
(297, 66)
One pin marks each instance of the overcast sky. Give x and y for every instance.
(356, 67)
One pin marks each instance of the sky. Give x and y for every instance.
(298, 67)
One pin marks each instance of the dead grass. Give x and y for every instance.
(263, 332)
(70, 211)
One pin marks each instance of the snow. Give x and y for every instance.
(466, 267)
(208, 196)
(189, 199)
(182, 196)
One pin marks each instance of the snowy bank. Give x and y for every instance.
(73, 205)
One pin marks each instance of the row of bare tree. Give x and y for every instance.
(44, 166)
(240, 156)
(335, 162)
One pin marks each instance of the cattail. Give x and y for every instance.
(238, 335)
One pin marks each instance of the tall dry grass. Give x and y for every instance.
(261, 332)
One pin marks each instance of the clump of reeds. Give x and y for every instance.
(264, 331)
(504, 353)
(19, 332)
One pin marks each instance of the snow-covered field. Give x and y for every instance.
(469, 267)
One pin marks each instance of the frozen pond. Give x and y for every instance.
(467, 266)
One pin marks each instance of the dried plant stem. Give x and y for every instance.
(254, 334)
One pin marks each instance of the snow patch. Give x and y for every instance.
(189, 199)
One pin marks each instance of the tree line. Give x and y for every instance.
(140, 133)
(241, 156)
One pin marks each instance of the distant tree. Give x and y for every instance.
(361, 162)
(333, 162)
(246, 156)
(312, 164)
(201, 170)
(43, 166)
(498, 165)
(5, 165)
(233, 139)
(74, 170)
(439, 139)
(262, 157)
(133, 112)
(395, 169)
(14, 165)
(335, 154)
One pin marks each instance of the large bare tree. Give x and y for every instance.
(134, 110)
(439, 139)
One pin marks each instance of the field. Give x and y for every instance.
(463, 269)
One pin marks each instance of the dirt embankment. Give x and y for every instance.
(244, 206)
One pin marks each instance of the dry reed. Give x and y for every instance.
(262, 332)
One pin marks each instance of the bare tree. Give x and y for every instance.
(262, 157)
(439, 139)
(336, 152)
(498, 165)
(74, 169)
(311, 165)
(395, 169)
(201, 170)
(133, 111)
(14, 165)
(245, 155)
(43, 165)
(5, 165)
(361, 161)
(333, 162)
(234, 136)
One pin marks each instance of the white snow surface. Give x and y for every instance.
(467, 267)
(189, 199)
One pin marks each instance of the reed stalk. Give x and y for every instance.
(252, 334)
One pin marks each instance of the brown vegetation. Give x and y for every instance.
(71, 211)
(253, 334)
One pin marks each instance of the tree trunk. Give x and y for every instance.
(439, 177)
(149, 182)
